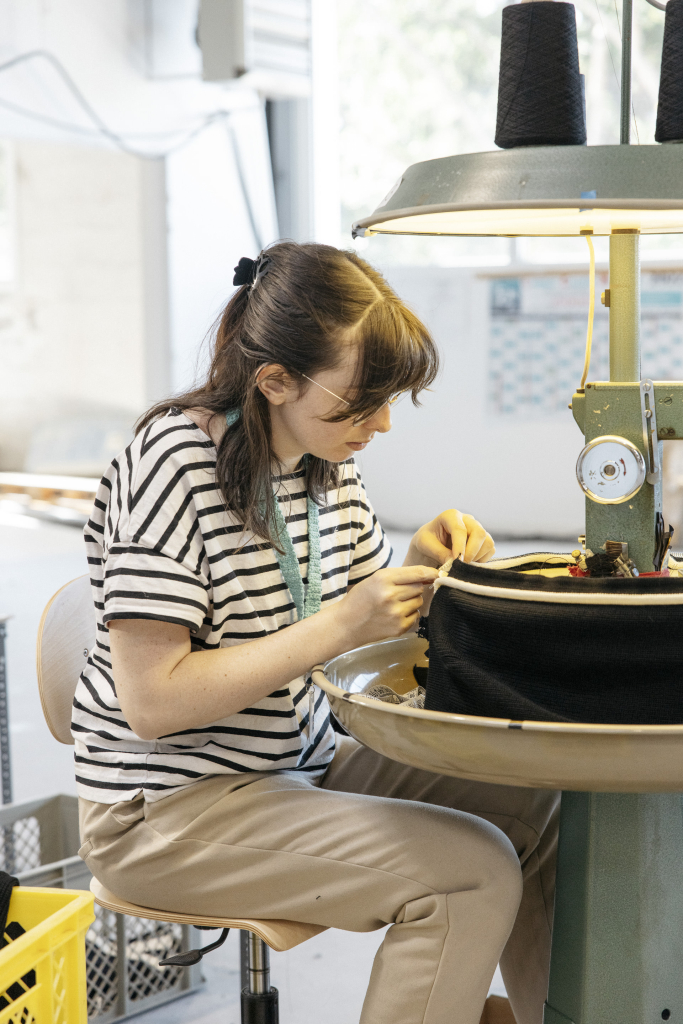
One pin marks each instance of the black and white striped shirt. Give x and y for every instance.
(161, 546)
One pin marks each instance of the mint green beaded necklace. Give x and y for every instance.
(307, 599)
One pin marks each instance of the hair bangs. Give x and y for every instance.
(396, 355)
(313, 299)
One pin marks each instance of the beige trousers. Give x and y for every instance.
(373, 843)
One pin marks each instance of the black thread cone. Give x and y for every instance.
(540, 99)
(670, 106)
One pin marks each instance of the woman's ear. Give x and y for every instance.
(274, 382)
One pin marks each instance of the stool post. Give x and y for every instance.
(244, 960)
(259, 1000)
(258, 965)
(617, 943)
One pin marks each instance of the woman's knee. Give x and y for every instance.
(497, 860)
(459, 851)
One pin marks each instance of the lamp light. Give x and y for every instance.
(537, 190)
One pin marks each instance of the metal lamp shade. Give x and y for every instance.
(544, 190)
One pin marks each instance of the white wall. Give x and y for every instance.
(516, 476)
(89, 323)
(72, 328)
(209, 230)
(326, 124)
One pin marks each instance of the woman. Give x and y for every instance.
(210, 780)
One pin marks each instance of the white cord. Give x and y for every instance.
(100, 127)
(591, 313)
(118, 139)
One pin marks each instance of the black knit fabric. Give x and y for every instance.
(505, 658)
(670, 106)
(7, 883)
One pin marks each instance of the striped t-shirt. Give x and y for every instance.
(161, 546)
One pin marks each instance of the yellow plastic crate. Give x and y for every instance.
(53, 946)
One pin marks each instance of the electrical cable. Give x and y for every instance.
(46, 119)
(243, 185)
(609, 48)
(591, 313)
(633, 109)
(54, 122)
(68, 81)
(118, 139)
(101, 128)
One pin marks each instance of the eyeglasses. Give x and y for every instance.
(392, 400)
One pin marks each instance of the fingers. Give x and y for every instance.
(389, 601)
(408, 593)
(407, 575)
(487, 550)
(409, 614)
(431, 547)
(479, 545)
(468, 537)
(452, 531)
(410, 608)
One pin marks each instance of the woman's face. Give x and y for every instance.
(298, 417)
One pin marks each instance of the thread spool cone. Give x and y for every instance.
(540, 98)
(670, 106)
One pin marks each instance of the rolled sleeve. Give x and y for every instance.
(141, 583)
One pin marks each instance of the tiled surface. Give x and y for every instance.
(537, 337)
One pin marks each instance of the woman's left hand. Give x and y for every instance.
(450, 535)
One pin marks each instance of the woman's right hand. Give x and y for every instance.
(386, 604)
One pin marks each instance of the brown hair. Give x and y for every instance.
(311, 297)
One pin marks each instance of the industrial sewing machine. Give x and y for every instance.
(618, 936)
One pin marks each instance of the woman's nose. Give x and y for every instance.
(380, 420)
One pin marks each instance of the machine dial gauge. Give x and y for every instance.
(610, 470)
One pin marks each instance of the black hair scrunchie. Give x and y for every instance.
(251, 271)
(244, 271)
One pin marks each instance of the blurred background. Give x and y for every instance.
(144, 148)
(146, 145)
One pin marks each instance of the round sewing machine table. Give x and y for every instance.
(617, 955)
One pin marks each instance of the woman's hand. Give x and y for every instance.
(450, 535)
(386, 604)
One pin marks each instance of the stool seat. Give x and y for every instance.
(279, 935)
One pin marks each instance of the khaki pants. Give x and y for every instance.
(373, 843)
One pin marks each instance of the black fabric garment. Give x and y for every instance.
(7, 883)
(505, 658)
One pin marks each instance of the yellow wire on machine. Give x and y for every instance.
(591, 313)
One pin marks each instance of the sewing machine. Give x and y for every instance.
(617, 950)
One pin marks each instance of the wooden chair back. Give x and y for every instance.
(66, 637)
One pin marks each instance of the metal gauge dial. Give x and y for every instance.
(610, 470)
